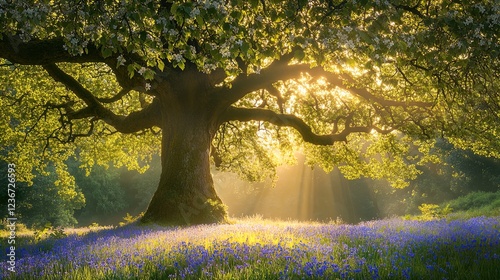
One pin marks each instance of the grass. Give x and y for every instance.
(475, 204)
(262, 249)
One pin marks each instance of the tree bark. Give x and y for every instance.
(186, 194)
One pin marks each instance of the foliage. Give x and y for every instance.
(451, 173)
(479, 203)
(113, 192)
(41, 233)
(105, 197)
(433, 211)
(245, 84)
(393, 57)
(387, 249)
(100, 197)
(474, 204)
(48, 200)
(128, 219)
(58, 233)
(48, 231)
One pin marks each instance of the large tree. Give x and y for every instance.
(232, 82)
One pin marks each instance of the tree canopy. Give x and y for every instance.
(350, 83)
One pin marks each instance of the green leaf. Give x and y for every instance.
(173, 9)
(181, 65)
(149, 74)
(200, 20)
(302, 3)
(131, 70)
(106, 52)
(299, 54)
(245, 47)
(236, 15)
(161, 64)
(254, 4)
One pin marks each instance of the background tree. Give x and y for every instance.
(112, 193)
(457, 173)
(239, 80)
(48, 192)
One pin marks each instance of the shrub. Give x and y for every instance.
(475, 200)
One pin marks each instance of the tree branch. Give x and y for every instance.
(134, 122)
(277, 71)
(280, 70)
(275, 92)
(49, 51)
(412, 10)
(117, 97)
(257, 114)
(40, 52)
(340, 79)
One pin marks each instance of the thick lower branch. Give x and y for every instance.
(146, 118)
(134, 122)
(244, 115)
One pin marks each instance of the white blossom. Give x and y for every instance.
(142, 70)
(347, 28)
(74, 41)
(469, 20)
(452, 13)
(480, 7)
(147, 86)
(194, 12)
(388, 43)
(494, 19)
(208, 67)
(225, 52)
(173, 32)
(29, 11)
(192, 49)
(477, 33)
(121, 60)
(161, 21)
(350, 44)
(257, 69)
(177, 57)
(408, 40)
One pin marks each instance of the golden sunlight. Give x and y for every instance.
(308, 85)
(301, 193)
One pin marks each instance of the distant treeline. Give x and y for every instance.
(104, 197)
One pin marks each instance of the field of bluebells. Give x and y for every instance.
(257, 249)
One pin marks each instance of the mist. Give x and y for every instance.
(301, 193)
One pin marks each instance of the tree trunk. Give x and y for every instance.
(185, 193)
